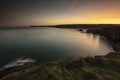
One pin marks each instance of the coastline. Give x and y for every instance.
(97, 30)
(112, 56)
(111, 33)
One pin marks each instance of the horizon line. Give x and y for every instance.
(52, 25)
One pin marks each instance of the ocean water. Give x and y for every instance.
(48, 44)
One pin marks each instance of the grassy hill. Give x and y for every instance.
(97, 68)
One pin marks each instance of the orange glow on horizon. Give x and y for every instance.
(76, 21)
(89, 18)
(94, 17)
(86, 21)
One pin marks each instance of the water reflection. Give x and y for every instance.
(45, 44)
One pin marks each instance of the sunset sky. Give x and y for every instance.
(55, 12)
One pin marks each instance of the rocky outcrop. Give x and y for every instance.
(5, 72)
(111, 33)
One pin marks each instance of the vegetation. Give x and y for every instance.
(97, 68)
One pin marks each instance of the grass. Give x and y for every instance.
(97, 68)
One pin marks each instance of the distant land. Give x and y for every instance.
(81, 25)
(65, 26)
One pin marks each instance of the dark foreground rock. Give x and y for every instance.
(5, 72)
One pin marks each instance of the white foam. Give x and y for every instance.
(18, 62)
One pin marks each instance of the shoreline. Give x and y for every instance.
(97, 30)
(116, 49)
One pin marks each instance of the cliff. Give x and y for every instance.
(111, 33)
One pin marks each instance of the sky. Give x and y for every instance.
(55, 12)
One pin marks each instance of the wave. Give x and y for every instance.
(19, 62)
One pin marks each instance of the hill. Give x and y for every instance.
(97, 68)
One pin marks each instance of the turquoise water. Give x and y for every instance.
(46, 44)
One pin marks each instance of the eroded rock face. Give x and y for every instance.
(116, 47)
(112, 34)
